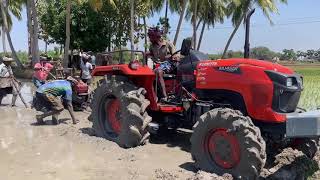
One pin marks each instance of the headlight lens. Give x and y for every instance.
(289, 82)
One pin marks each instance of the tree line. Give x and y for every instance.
(98, 25)
(264, 53)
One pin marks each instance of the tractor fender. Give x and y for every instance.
(248, 80)
(122, 69)
(143, 76)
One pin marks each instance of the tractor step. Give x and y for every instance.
(305, 124)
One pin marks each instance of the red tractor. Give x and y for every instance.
(234, 107)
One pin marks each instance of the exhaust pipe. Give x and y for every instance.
(247, 41)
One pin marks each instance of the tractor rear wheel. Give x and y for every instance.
(224, 141)
(119, 113)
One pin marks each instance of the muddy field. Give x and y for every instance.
(68, 151)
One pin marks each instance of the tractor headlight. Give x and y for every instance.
(289, 82)
(285, 80)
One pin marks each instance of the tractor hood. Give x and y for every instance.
(250, 62)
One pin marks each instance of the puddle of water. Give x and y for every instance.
(27, 92)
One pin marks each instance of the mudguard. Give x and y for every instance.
(122, 69)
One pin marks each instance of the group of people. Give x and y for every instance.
(58, 93)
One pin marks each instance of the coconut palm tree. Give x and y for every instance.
(193, 13)
(67, 42)
(95, 4)
(33, 30)
(178, 6)
(132, 26)
(238, 10)
(207, 12)
(211, 12)
(144, 10)
(4, 45)
(15, 7)
(181, 11)
(29, 25)
(194, 20)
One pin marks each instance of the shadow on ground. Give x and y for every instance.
(189, 166)
(173, 138)
(50, 122)
(170, 138)
(88, 131)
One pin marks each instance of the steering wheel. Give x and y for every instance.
(175, 53)
(170, 58)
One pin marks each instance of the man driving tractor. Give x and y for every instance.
(162, 52)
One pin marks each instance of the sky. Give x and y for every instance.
(297, 26)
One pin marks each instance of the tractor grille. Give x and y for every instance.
(285, 100)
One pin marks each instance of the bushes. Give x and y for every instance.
(23, 56)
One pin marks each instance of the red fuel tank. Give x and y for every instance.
(81, 88)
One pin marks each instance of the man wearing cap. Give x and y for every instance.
(86, 68)
(7, 80)
(161, 51)
(41, 71)
(55, 96)
(93, 59)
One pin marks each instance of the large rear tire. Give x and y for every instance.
(224, 141)
(119, 113)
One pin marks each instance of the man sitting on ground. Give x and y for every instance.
(50, 94)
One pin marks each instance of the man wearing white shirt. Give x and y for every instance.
(6, 80)
(86, 69)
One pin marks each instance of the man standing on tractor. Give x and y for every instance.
(49, 95)
(41, 71)
(6, 81)
(161, 51)
(86, 68)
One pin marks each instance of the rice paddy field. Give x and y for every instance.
(310, 98)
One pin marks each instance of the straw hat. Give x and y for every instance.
(6, 59)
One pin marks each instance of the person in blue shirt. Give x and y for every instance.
(54, 95)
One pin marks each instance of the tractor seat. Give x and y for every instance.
(169, 76)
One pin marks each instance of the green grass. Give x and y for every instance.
(310, 98)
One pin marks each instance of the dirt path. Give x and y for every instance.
(70, 151)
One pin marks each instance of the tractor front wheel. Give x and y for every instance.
(224, 141)
(309, 147)
(119, 113)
